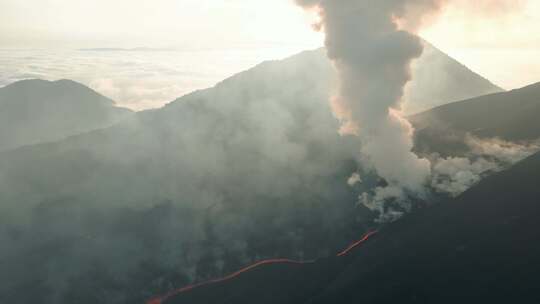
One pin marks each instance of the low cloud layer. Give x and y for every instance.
(147, 78)
(136, 79)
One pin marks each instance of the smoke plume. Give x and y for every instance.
(372, 45)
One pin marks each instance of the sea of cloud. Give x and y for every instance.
(135, 78)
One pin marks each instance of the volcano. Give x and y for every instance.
(249, 170)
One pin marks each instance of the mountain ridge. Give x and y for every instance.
(36, 111)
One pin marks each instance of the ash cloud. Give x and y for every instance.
(372, 46)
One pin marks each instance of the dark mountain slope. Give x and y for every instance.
(36, 111)
(482, 247)
(511, 116)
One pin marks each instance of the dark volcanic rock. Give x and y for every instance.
(482, 247)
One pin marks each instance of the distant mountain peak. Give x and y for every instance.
(66, 86)
(437, 78)
(35, 110)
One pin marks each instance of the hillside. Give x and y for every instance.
(439, 79)
(510, 116)
(37, 111)
(482, 246)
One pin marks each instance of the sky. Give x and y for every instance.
(502, 44)
(156, 23)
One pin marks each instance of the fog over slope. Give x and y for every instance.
(251, 168)
(37, 111)
(481, 247)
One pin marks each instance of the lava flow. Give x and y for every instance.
(161, 299)
(357, 243)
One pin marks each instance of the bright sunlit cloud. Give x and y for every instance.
(503, 49)
(503, 46)
(156, 23)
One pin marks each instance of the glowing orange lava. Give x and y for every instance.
(161, 299)
(356, 244)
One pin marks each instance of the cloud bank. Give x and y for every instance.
(139, 78)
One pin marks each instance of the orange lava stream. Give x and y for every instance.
(356, 244)
(161, 299)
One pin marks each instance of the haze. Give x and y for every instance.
(503, 49)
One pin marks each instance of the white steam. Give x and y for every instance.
(454, 175)
(372, 54)
(451, 176)
(354, 179)
(379, 200)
